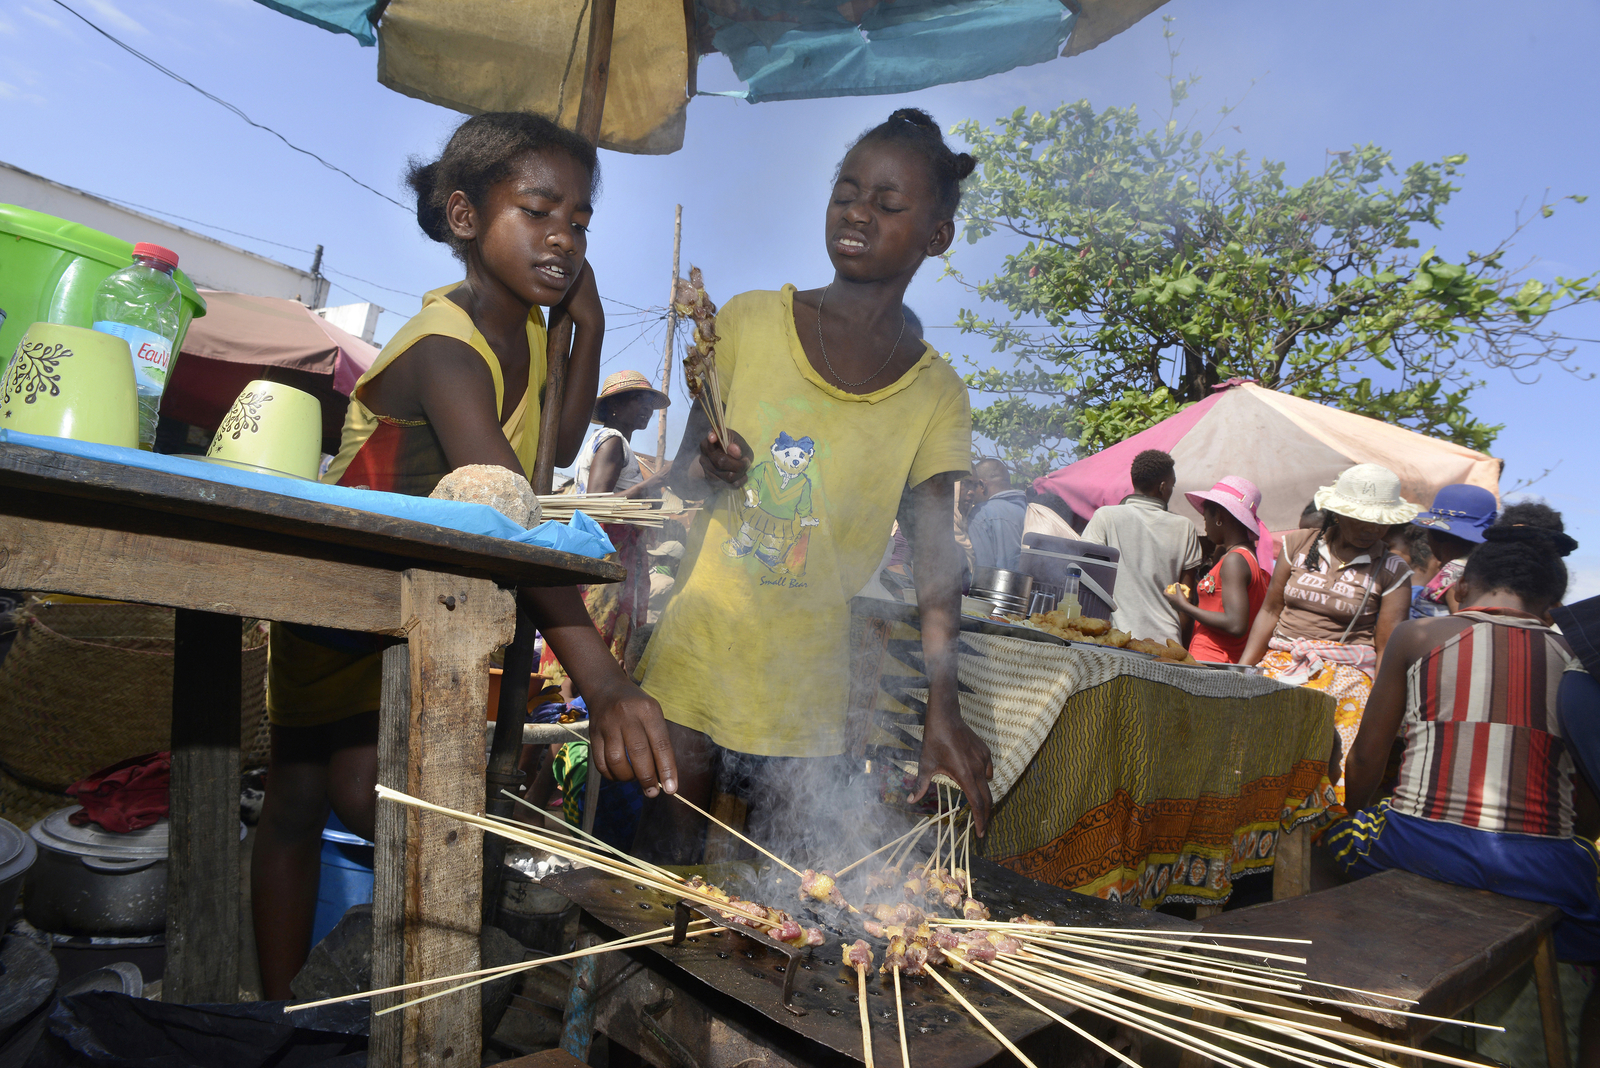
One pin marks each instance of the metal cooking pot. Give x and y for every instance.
(90, 881)
(1012, 585)
(17, 855)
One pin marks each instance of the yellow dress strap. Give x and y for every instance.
(442, 316)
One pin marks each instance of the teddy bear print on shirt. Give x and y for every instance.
(777, 509)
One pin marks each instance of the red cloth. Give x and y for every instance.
(125, 796)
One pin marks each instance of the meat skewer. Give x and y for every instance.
(689, 299)
(900, 1016)
(859, 956)
(888, 845)
(972, 1010)
(769, 854)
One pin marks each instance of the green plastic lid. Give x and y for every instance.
(81, 240)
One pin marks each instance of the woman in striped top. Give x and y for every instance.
(1487, 794)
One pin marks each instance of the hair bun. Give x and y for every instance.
(1543, 537)
(430, 216)
(965, 165)
(916, 117)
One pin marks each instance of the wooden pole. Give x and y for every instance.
(672, 329)
(592, 105)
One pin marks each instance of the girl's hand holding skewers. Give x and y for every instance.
(725, 462)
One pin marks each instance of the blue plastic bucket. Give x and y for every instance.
(346, 876)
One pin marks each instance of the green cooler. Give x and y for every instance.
(50, 268)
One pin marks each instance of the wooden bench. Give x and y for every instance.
(1405, 937)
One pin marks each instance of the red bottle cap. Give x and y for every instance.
(156, 252)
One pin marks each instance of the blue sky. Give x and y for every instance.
(1513, 87)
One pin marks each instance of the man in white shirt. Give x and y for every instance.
(1157, 549)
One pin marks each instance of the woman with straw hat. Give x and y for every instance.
(1336, 595)
(1231, 594)
(606, 463)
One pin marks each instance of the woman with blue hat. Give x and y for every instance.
(1455, 526)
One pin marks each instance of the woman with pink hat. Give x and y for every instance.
(1232, 592)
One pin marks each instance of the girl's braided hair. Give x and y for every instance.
(1522, 553)
(480, 153)
(915, 129)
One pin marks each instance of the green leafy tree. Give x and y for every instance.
(1156, 267)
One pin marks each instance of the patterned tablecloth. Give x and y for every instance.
(1120, 776)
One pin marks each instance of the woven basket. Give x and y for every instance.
(88, 685)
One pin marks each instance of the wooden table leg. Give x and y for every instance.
(203, 851)
(454, 624)
(1291, 863)
(1548, 983)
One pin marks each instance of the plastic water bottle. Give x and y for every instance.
(141, 304)
(1069, 602)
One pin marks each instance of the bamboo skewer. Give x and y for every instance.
(993, 977)
(1089, 998)
(491, 973)
(866, 1023)
(760, 849)
(972, 1010)
(586, 836)
(769, 854)
(633, 943)
(900, 1016)
(1012, 925)
(917, 831)
(966, 852)
(1269, 1021)
(527, 836)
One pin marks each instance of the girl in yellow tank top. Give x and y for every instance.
(459, 385)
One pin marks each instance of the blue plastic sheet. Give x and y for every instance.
(897, 47)
(339, 16)
(582, 536)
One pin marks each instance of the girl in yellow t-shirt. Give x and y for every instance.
(834, 408)
(458, 385)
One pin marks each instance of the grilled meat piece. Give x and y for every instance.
(972, 909)
(858, 955)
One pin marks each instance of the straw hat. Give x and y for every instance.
(1367, 493)
(627, 382)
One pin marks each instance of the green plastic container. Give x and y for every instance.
(50, 268)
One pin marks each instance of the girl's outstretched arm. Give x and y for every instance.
(627, 733)
(948, 744)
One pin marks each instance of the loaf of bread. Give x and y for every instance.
(504, 491)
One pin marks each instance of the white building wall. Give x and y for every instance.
(209, 263)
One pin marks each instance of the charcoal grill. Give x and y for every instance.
(800, 1004)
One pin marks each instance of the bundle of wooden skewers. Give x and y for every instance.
(1147, 980)
(602, 508)
(700, 357)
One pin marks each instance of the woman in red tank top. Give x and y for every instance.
(1232, 592)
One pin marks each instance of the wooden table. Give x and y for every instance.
(216, 552)
(1396, 937)
(1157, 783)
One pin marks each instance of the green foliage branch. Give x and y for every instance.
(1156, 267)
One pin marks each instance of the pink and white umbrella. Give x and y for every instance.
(1285, 445)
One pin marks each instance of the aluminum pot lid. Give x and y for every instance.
(56, 832)
(17, 851)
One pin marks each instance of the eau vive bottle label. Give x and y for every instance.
(152, 353)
